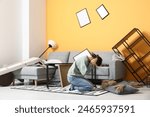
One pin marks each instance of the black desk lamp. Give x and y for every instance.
(51, 44)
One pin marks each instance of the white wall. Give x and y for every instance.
(11, 33)
(37, 27)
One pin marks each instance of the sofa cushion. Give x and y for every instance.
(102, 71)
(62, 56)
(33, 71)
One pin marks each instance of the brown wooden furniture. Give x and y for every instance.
(63, 70)
(135, 47)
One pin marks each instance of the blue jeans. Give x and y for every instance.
(80, 83)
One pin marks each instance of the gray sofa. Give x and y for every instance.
(112, 67)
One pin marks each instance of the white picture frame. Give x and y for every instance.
(102, 11)
(83, 17)
(85, 52)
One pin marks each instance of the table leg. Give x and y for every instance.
(94, 72)
(47, 83)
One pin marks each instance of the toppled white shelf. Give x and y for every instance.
(19, 65)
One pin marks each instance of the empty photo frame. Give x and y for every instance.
(85, 52)
(83, 17)
(102, 11)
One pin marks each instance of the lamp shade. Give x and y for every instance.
(52, 44)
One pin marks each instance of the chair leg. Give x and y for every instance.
(35, 82)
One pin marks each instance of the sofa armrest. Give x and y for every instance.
(117, 70)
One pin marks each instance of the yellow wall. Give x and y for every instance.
(63, 27)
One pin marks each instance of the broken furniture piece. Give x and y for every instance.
(16, 66)
(23, 70)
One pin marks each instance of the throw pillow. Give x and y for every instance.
(124, 89)
(118, 57)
